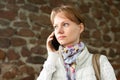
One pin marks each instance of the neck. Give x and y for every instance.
(70, 45)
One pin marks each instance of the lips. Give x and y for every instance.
(61, 37)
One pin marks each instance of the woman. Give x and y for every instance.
(72, 61)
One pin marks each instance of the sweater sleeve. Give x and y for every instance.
(106, 69)
(48, 67)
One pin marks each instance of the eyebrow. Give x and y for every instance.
(66, 20)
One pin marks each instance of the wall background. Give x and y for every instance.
(25, 25)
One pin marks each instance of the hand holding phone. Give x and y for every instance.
(55, 43)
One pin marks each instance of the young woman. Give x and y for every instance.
(72, 61)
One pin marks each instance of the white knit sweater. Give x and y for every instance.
(53, 68)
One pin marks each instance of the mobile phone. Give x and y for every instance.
(55, 43)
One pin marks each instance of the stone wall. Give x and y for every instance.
(25, 25)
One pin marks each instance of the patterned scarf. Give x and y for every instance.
(70, 54)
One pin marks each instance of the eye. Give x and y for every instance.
(65, 24)
(54, 27)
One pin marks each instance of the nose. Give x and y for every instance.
(60, 30)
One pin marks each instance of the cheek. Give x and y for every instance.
(75, 35)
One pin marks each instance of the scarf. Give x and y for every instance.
(70, 53)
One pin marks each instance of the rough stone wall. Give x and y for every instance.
(25, 25)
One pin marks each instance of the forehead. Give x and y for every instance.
(60, 16)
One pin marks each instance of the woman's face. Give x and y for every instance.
(67, 32)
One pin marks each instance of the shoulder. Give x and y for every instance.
(107, 71)
(103, 58)
(104, 62)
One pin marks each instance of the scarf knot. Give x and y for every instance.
(70, 53)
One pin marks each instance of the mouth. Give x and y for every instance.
(61, 37)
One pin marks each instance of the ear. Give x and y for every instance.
(81, 25)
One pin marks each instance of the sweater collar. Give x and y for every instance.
(83, 57)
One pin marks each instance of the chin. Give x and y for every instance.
(62, 43)
(65, 43)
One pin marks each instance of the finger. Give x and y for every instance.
(52, 34)
(50, 37)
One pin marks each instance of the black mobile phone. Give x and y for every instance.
(55, 43)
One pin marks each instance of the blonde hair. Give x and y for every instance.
(69, 11)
